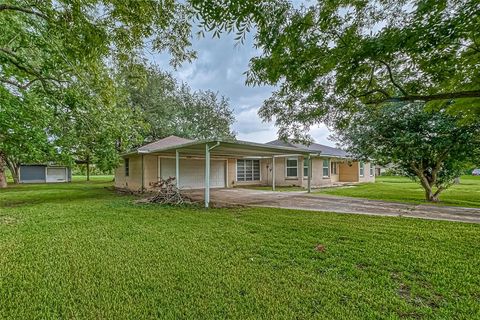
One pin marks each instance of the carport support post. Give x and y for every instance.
(207, 175)
(309, 173)
(143, 175)
(177, 168)
(273, 173)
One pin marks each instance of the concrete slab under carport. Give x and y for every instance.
(302, 200)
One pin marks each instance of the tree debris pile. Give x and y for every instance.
(166, 192)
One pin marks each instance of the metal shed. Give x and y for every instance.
(41, 173)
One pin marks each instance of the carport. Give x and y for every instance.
(210, 150)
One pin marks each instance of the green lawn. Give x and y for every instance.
(467, 193)
(81, 251)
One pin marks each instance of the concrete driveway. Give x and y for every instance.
(320, 202)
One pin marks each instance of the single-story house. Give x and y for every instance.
(42, 173)
(225, 164)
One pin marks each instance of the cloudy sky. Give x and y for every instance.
(220, 66)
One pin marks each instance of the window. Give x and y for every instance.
(362, 169)
(326, 172)
(305, 167)
(127, 167)
(248, 170)
(333, 167)
(292, 167)
(372, 169)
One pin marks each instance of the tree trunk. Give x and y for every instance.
(15, 174)
(14, 168)
(88, 168)
(431, 197)
(3, 177)
(427, 185)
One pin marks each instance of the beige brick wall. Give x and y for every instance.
(367, 177)
(346, 172)
(281, 178)
(134, 179)
(318, 179)
(150, 163)
(232, 174)
(266, 173)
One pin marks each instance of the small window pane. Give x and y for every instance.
(256, 170)
(305, 167)
(291, 172)
(248, 168)
(127, 167)
(241, 170)
(326, 172)
(292, 167)
(291, 162)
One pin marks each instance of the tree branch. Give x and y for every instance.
(29, 83)
(403, 91)
(439, 190)
(4, 7)
(16, 61)
(426, 98)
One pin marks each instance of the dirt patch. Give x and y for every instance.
(8, 220)
(431, 300)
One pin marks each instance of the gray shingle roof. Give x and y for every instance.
(172, 141)
(313, 148)
(164, 143)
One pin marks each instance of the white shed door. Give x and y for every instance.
(56, 175)
(192, 172)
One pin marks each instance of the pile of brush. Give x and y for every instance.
(166, 192)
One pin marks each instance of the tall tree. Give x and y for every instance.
(24, 131)
(431, 146)
(54, 48)
(332, 57)
(169, 107)
(205, 115)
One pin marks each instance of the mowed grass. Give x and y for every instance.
(402, 189)
(81, 251)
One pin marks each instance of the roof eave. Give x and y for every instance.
(238, 142)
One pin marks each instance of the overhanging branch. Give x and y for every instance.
(17, 62)
(4, 7)
(392, 80)
(427, 98)
(29, 83)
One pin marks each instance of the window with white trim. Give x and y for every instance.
(362, 169)
(248, 170)
(127, 167)
(326, 169)
(372, 170)
(305, 167)
(292, 167)
(333, 167)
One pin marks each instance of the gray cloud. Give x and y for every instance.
(220, 66)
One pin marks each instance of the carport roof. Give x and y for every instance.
(219, 147)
